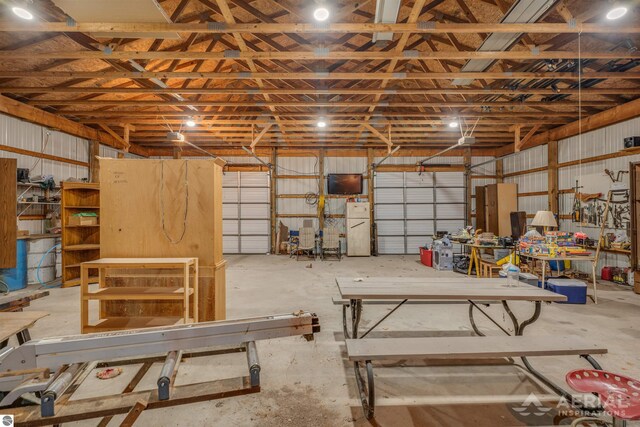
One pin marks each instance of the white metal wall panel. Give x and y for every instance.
(346, 164)
(528, 159)
(414, 243)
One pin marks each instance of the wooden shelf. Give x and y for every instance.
(82, 226)
(138, 293)
(76, 282)
(122, 323)
(83, 247)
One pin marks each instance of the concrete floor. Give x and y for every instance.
(311, 384)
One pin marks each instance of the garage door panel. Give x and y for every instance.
(230, 244)
(450, 195)
(389, 179)
(415, 179)
(254, 211)
(450, 179)
(390, 245)
(254, 195)
(389, 195)
(450, 211)
(254, 226)
(230, 179)
(229, 211)
(389, 212)
(419, 195)
(229, 226)
(255, 244)
(254, 179)
(390, 228)
(419, 211)
(420, 228)
(230, 195)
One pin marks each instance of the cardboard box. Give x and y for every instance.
(82, 220)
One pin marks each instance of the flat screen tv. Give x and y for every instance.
(345, 183)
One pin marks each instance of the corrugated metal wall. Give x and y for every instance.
(533, 158)
(602, 141)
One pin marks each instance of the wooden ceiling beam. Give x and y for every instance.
(317, 91)
(317, 76)
(424, 27)
(33, 115)
(316, 104)
(289, 55)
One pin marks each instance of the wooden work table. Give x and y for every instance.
(17, 324)
(474, 256)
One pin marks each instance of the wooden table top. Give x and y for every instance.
(440, 288)
(13, 322)
(589, 257)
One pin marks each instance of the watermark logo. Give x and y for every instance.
(531, 406)
(6, 420)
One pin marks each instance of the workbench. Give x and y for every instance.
(18, 300)
(475, 257)
(17, 324)
(476, 292)
(573, 258)
(188, 268)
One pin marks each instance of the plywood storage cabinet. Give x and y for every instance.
(495, 202)
(163, 209)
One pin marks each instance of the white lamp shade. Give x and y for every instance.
(544, 219)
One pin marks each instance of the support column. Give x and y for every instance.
(272, 200)
(552, 176)
(371, 197)
(321, 200)
(467, 184)
(94, 163)
(499, 171)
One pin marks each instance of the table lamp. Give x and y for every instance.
(544, 219)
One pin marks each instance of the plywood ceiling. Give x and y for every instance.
(264, 73)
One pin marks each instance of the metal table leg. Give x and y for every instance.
(366, 389)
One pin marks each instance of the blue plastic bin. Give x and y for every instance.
(16, 278)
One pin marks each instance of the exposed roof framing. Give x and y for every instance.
(261, 73)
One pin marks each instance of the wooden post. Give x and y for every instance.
(499, 171)
(467, 184)
(370, 191)
(177, 152)
(94, 164)
(552, 175)
(273, 201)
(321, 199)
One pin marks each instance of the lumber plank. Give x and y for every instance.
(8, 229)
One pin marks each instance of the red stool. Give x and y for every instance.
(619, 395)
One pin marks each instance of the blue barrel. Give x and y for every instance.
(16, 278)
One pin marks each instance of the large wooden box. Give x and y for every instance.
(163, 208)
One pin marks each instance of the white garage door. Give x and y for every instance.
(411, 206)
(245, 213)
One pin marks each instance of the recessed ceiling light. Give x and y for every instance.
(22, 13)
(191, 123)
(321, 14)
(617, 12)
(322, 124)
(453, 124)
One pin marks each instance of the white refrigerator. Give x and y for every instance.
(358, 229)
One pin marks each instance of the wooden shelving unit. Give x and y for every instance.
(80, 243)
(184, 295)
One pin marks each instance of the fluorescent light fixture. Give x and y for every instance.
(191, 123)
(25, 14)
(453, 124)
(617, 12)
(321, 14)
(322, 124)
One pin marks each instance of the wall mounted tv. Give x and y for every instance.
(344, 183)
